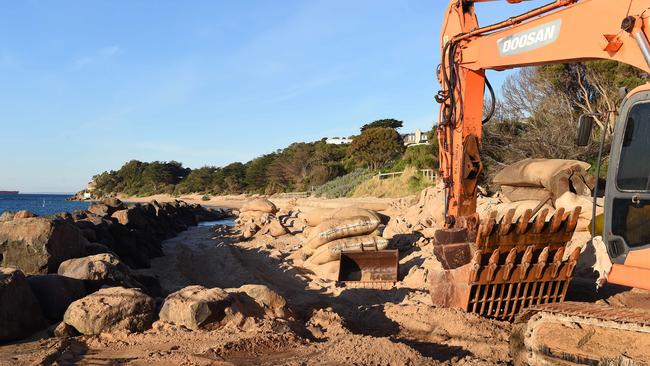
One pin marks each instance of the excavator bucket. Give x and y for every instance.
(503, 267)
(369, 267)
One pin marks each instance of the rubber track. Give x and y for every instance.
(599, 315)
(640, 317)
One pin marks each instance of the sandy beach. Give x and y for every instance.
(237, 201)
(322, 322)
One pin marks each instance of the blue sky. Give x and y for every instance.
(88, 85)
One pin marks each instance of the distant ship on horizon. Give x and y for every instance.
(9, 192)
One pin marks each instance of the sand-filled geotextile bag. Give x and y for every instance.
(569, 201)
(515, 194)
(257, 217)
(316, 217)
(260, 204)
(556, 175)
(338, 229)
(537, 172)
(276, 228)
(328, 271)
(332, 251)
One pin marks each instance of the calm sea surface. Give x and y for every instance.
(40, 204)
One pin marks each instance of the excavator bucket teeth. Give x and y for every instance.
(556, 230)
(366, 268)
(513, 265)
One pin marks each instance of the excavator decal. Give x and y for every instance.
(531, 39)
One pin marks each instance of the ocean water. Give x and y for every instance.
(40, 204)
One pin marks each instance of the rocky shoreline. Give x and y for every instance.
(48, 263)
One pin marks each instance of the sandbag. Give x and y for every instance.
(249, 230)
(307, 231)
(260, 204)
(332, 250)
(276, 229)
(340, 228)
(556, 175)
(536, 172)
(569, 201)
(256, 217)
(515, 194)
(318, 216)
(315, 217)
(430, 209)
(347, 212)
(327, 271)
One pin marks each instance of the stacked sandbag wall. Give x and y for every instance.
(559, 183)
(260, 217)
(331, 232)
(539, 179)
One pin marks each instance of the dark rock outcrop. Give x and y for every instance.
(97, 248)
(135, 233)
(20, 313)
(38, 245)
(55, 293)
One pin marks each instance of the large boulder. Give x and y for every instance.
(99, 270)
(23, 214)
(195, 306)
(113, 203)
(55, 293)
(125, 244)
(7, 216)
(133, 217)
(106, 207)
(112, 309)
(268, 299)
(39, 245)
(100, 209)
(97, 248)
(20, 313)
(100, 228)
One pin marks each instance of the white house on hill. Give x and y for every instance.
(338, 141)
(416, 138)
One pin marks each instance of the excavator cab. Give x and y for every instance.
(588, 329)
(626, 232)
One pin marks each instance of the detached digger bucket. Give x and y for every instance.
(509, 267)
(369, 267)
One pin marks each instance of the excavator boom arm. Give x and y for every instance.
(590, 29)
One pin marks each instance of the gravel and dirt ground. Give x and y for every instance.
(331, 325)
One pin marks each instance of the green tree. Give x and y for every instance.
(234, 178)
(590, 87)
(383, 123)
(256, 173)
(198, 181)
(421, 157)
(376, 147)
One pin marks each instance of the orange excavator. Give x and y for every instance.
(518, 269)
